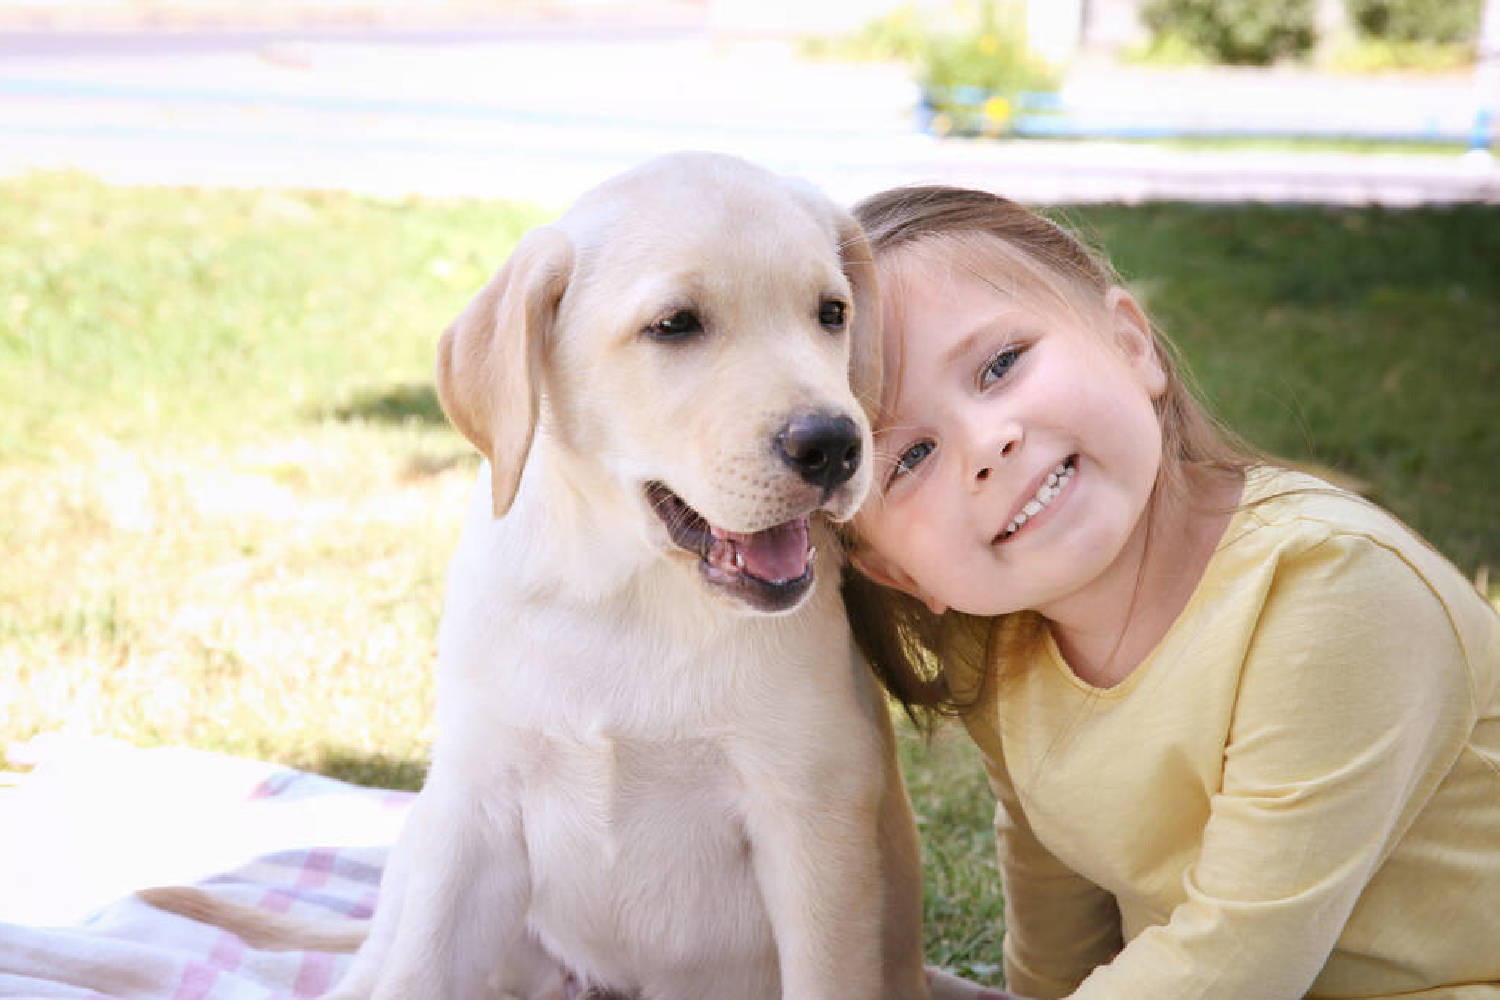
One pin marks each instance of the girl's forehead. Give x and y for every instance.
(936, 266)
(933, 286)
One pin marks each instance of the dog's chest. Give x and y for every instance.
(638, 855)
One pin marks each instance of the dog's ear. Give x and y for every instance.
(489, 365)
(865, 357)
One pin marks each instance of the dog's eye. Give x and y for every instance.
(832, 314)
(679, 325)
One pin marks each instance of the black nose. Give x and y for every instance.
(823, 448)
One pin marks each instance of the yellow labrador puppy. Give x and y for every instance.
(662, 771)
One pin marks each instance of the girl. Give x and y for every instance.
(1243, 727)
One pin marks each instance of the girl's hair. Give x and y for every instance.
(930, 662)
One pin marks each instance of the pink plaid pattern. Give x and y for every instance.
(130, 951)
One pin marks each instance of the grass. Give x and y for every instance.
(229, 495)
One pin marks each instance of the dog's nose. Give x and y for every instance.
(822, 447)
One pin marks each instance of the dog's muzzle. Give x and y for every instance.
(769, 570)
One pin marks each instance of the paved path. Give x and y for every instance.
(539, 110)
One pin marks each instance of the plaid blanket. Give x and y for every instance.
(94, 822)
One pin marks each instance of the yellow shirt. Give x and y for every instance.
(1297, 793)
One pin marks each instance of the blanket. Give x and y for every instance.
(97, 820)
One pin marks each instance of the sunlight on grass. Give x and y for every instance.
(231, 495)
(275, 601)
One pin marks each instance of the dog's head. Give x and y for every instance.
(706, 333)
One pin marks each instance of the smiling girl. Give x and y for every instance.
(1243, 727)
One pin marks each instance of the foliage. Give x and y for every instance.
(898, 36)
(974, 46)
(1430, 21)
(1379, 55)
(983, 46)
(1248, 32)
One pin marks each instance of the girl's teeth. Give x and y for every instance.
(1056, 480)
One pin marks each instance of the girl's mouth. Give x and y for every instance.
(1056, 481)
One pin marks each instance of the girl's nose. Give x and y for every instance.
(991, 450)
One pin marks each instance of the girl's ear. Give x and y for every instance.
(875, 566)
(1132, 332)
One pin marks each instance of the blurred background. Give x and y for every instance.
(538, 99)
(231, 232)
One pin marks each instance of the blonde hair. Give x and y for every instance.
(938, 663)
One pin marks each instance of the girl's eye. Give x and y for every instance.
(909, 459)
(997, 367)
(681, 325)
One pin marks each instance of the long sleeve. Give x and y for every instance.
(1354, 701)
(1058, 925)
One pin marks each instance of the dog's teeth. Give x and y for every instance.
(812, 553)
(739, 559)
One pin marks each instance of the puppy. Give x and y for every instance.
(661, 769)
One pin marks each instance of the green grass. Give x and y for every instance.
(230, 497)
(139, 314)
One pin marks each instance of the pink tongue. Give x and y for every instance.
(776, 554)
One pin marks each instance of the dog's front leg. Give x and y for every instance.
(460, 931)
(818, 866)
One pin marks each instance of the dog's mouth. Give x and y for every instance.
(770, 570)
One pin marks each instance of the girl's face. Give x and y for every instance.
(1019, 444)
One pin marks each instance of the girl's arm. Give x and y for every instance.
(1354, 701)
(1058, 925)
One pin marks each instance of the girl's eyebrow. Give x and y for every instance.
(963, 347)
(1000, 324)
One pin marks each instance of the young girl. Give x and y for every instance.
(1243, 727)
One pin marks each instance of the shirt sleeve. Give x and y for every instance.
(1058, 925)
(1354, 700)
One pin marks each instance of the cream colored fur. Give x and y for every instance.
(638, 779)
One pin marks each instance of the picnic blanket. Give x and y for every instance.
(97, 820)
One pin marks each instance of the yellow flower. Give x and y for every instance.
(997, 110)
(989, 44)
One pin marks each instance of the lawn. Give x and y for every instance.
(230, 496)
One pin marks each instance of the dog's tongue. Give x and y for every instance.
(776, 554)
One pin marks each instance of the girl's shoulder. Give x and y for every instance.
(1334, 545)
(1291, 510)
